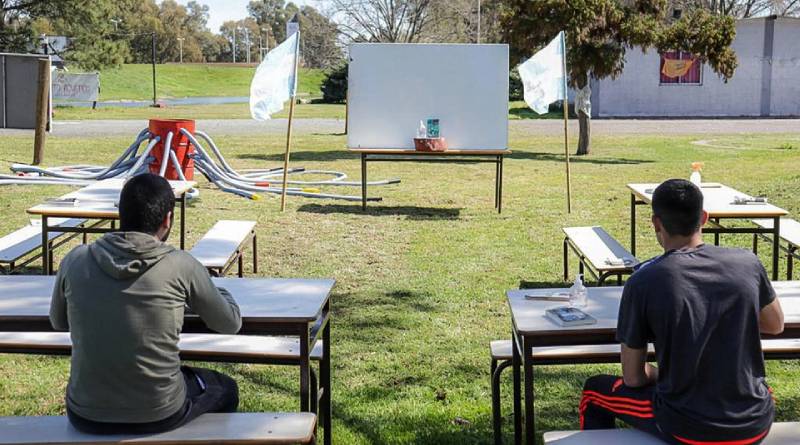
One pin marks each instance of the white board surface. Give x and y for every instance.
(392, 87)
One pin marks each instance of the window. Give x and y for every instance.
(680, 68)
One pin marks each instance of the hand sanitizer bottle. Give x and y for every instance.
(695, 177)
(422, 132)
(577, 293)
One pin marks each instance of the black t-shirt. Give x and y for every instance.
(700, 307)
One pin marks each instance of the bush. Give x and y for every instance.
(334, 87)
(515, 89)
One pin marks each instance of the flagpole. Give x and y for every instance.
(566, 126)
(289, 129)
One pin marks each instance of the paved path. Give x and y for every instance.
(547, 127)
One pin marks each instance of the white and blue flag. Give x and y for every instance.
(275, 81)
(543, 76)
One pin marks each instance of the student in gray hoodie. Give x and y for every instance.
(123, 300)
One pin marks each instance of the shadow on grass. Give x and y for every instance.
(537, 156)
(307, 155)
(525, 284)
(410, 212)
(527, 113)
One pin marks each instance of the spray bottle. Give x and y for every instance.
(577, 293)
(422, 132)
(695, 177)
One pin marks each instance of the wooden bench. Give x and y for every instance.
(193, 347)
(789, 232)
(24, 241)
(782, 433)
(224, 244)
(211, 428)
(501, 354)
(598, 252)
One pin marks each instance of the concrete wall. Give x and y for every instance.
(761, 86)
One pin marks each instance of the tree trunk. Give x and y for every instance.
(584, 137)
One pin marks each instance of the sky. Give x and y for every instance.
(223, 10)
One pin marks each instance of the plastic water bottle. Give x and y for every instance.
(695, 177)
(422, 132)
(577, 293)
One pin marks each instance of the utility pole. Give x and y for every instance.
(180, 42)
(234, 44)
(479, 21)
(247, 42)
(155, 103)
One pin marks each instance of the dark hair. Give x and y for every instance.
(145, 201)
(679, 205)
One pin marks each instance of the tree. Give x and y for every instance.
(600, 31)
(271, 14)
(239, 26)
(318, 39)
(741, 9)
(392, 21)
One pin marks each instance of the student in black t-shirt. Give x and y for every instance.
(703, 307)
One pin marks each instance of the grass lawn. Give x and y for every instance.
(516, 110)
(421, 276)
(135, 81)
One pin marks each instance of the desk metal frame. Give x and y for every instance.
(715, 227)
(47, 260)
(446, 157)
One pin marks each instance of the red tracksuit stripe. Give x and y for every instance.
(619, 399)
(725, 442)
(620, 410)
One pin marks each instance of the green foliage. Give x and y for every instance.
(599, 32)
(334, 87)
(515, 87)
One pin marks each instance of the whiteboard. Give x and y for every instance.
(391, 87)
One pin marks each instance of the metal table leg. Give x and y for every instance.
(776, 238)
(500, 187)
(45, 248)
(530, 429)
(633, 224)
(305, 378)
(790, 262)
(183, 220)
(515, 366)
(716, 235)
(363, 181)
(255, 253)
(325, 382)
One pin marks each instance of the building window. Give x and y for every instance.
(680, 68)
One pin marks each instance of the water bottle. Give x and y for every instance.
(422, 132)
(695, 177)
(577, 293)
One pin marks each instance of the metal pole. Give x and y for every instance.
(247, 42)
(234, 45)
(155, 103)
(180, 42)
(289, 129)
(566, 112)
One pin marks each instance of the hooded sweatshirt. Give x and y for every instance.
(122, 298)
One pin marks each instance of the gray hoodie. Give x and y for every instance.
(122, 299)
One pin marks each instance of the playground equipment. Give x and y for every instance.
(177, 158)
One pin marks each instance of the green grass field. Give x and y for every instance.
(135, 81)
(421, 276)
(516, 110)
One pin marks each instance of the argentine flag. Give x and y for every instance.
(543, 75)
(275, 81)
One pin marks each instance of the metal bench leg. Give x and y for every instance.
(581, 268)
(790, 262)
(240, 260)
(497, 415)
(619, 279)
(755, 244)
(255, 253)
(363, 181)
(314, 394)
(566, 259)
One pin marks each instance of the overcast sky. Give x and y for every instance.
(223, 10)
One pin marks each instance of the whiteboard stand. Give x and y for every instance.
(450, 156)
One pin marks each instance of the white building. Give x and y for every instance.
(765, 84)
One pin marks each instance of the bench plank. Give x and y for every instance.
(192, 346)
(230, 428)
(25, 240)
(782, 433)
(221, 242)
(501, 350)
(597, 246)
(790, 229)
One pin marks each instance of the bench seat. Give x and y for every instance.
(28, 239)
(789, 232)
(598, 251)
(211, 428)
(223, 245)
(195, 347)
(782, 433)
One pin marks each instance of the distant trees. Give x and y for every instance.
(741, 9)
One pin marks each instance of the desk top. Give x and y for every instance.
(718, 201)
(97, 200)
(260, 299)
(411, 151)
(529, 319)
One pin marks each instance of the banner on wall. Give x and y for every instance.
(68, 86)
